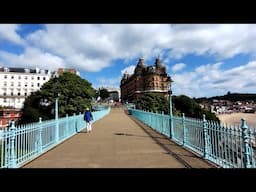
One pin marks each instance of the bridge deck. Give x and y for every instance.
(118, 141)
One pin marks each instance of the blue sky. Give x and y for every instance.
(202, 59)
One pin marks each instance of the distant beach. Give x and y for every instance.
(235, 118)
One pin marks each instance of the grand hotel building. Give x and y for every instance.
(145, 79)
(18, 83)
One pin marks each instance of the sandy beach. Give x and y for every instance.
(235, 118)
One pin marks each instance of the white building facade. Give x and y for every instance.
(18, 83)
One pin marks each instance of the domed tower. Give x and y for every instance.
(159, 66)
(158, 63)
(140, 67)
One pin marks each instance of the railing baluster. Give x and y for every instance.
(245, 143)
(13, 160)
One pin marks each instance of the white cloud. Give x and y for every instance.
(129, 69)
(115, 81)
(108, 82)
(177, 67)
(210, 80)
(8, 32)
(31, 58)
(93, 47)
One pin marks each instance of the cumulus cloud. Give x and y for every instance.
(108, 82)
(210, 79)
(31, 58)
(8, 32)
(177, 67)
(93, 47)
(129, 69)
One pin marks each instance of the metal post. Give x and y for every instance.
(12, 163)
(66, 135)
(56, 120)
(246, 147)
(79, 122)
(205, 137)
(184, 130)
(162, 122)
(75, 122)
(39, 141)
(170, 111)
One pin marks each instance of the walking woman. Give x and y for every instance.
(88, 118)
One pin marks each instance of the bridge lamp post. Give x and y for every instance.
(170, 106)
(56, 95)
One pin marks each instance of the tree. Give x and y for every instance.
(154, 102)
(103, 93)
(181, 104)
(75, 94)
(188, 106)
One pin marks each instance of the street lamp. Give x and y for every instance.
(170, 106)
(56, 95)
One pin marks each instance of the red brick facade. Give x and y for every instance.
(145, 79)
(61, 71)
(8, 115)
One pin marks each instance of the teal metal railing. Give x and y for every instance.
(226, 146)
(21, 144)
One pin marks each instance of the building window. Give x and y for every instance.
(44, 78)
(5, 83)
(11, 83)
(12, 77)
(38, 78)
(18, 93)
(26, 84)
(5, 76)
(19, 84)
(19, 77)
(38, 84)
(5, 100)
(25, 93)
(26, 77)
(32, 78)
(4, 93)
(32, 85)
(11, 93)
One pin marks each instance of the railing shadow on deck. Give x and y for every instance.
(225, 146)
(166, 146)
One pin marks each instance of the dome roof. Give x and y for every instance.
(141, 63)
(158, 62)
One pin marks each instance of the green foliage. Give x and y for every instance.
(231, 97)
(181, 104)
(191, 108)
(103, 93)
(74, 96)
(153, 102)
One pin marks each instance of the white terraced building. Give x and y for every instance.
(18, 83)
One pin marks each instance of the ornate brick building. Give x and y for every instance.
(145, 79)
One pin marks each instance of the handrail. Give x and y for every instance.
(21, 144)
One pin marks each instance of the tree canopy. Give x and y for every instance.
(154, 102)
(103, 93)
(181, 104)
(231, 97)
(191, 108)
(74, 93)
